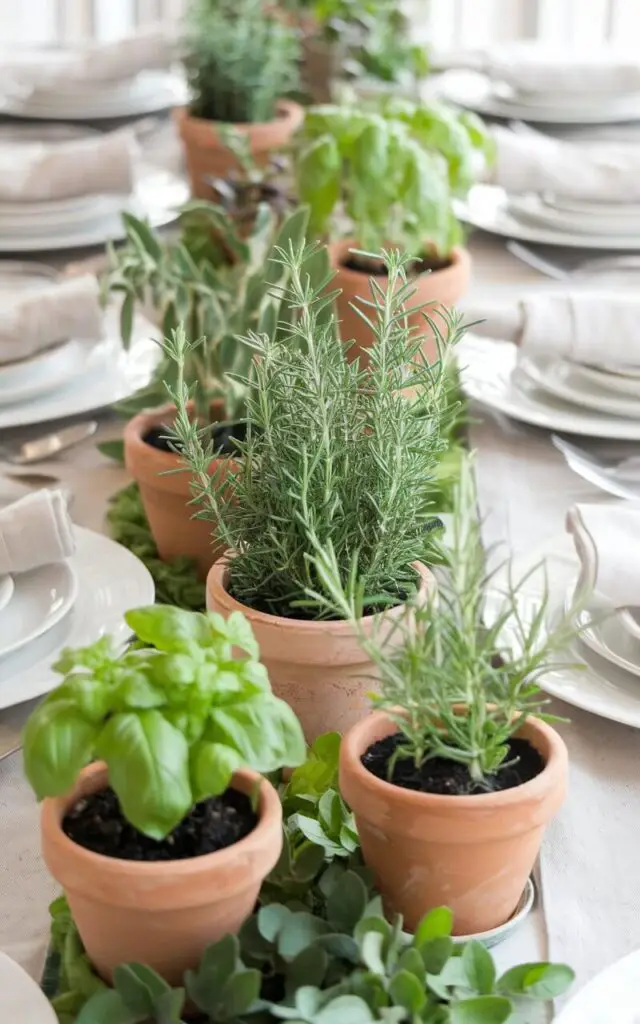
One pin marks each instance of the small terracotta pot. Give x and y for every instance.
(318, 668)
(163, 913)
(470, 853)
(166, 499)
(440, 288)
(206, 155)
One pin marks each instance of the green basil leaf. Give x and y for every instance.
(211, 767)
(148, 761)
(170, 629)
(434, 925)
(479, 967)
(57, 744)
(265, 731)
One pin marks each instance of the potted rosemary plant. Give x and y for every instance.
(336, 464)
(241, 62)
(455, 776)
(389, 177)
(161, 846)
(219, 283)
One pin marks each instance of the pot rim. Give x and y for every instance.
(459, 256)
(148, 464)
(288, 110)
(153, 872)
(217, 580)
(377, 725)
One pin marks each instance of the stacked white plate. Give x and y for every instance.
(552, 393)
(75, 376)
(552, 220)
(478, 92)
(80, 221)
(148, 93)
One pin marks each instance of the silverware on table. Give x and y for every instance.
(45, 447)
(585, 268)
(12, 722)
(605, 473)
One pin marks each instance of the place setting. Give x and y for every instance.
(61, 355)
(544, 84)
(576, 194)
(129, 78)
(558, 360)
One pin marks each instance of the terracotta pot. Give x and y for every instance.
(166, 499)
(161, 913)
(440, 288)
(470, 853)
(206, 155)
(318, 668)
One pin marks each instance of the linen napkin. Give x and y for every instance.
(584, 327)
(607, 541)
(34, 531)
(35, 171)
(43, 316)
(92, 63)
(530, 67)
(533, 162)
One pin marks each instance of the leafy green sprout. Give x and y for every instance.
(458, 682)
(336, 459)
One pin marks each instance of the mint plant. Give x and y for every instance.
(173, 717)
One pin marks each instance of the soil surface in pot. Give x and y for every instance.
(448, 778)
(97, 823)
(378, 269)
(224, 438)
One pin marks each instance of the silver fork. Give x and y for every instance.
(23, 453)
(606, 474)
(585, 268)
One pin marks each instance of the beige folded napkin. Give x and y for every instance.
(97, 165)
(89, 63)
(584, 327)
(34, 531)
(607, 541)
(533, 162)
(41, 317)
(531, 67)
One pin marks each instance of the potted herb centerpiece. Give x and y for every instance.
(389, 177)
(337, 467)
(161, 846)
(453, 780)
(241, 62)
(220, 284)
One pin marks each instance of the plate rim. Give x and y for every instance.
(542, 377)
(53, 619)
(46, 1013)
(7, 587)
(589, 637)
(584, 996)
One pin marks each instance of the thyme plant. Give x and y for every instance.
(336, 460)
(457, 682)
(239, 60)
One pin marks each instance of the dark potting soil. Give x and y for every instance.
(224, 438)
(438, 775)
(377, 268)
(97, 823)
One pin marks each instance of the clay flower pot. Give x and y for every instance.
(166, 498)
(318, 668)
(439, 288)
(206, 155)
(470, 853)
(162, 913)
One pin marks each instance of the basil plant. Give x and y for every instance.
(173, 717)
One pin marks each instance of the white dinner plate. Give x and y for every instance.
(20, 382)
(591, 207)
(630, 618)
(6, 590)
(112, 375)
(487, 208)
(22, 1001)
(603, 630)
(111, 580)
(560, 378)
(41, 598)
(621, 383)
(533, 209)
(148, 93)
(19, 276)
(158, 198)
(583, 679)
(612, 997)
(474, 91)
(488, 375)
